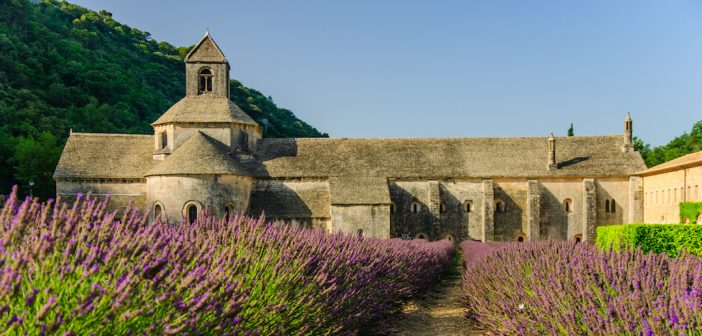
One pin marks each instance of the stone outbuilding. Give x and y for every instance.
(207, 155)
(667, 185)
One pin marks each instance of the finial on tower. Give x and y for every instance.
(552, 152)
(628, 145)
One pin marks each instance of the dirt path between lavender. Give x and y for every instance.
(440, 312)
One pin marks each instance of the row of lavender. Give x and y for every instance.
(568, 288)
(78, 270)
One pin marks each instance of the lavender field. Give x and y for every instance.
(568, 288)
(77, 270)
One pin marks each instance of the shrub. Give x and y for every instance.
(690, 211)
(569, 288)
(80, 270)
(658, 238)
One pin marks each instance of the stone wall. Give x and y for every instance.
(556, 222)
(374, 220)
(511, 222)
(612, 189)
(209, 193)
(300, 202)
(455, 220)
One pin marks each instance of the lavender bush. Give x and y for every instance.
(78, 270)
(566, 288)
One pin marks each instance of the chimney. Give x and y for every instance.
(552, 153)
(628, 145)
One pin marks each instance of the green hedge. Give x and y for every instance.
(690, 211)
(668, 238)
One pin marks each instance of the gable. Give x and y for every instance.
(206, 51)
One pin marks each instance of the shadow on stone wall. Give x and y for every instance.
(553, 223)
(509, 223)
(403, 222)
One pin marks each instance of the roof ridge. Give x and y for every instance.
(110, 134)
(452, 138)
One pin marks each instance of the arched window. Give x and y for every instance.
(442, 207)
(192, 213)
(520, 239)
(205, 81)
(227, 211)
(421, 235)
(500, 206)
(607, 206)
(469, 206)
(359, 233)
(415, 207)
(568, 205)
(578, 238)
(164, 140)
(613, 207)
(244, 140)
(449, 237)
(157, 211)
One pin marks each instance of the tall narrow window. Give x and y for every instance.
(192, 213)
(157, 212)
(568, 205)
(469, 206)
(442, 207)
(415, 207)
(607, 206)
(244, 140)
(613, 207)
(164, 140)
(205, 81)
(227, 211)
(500, 206)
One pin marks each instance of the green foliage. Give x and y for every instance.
(66, 67)
(571, 131)
(682, 145)
(689, 211)
(669, 238)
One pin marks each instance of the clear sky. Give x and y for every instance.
(454, 68)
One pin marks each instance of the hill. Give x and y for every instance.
(65, 67)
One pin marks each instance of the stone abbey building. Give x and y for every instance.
(206, 154)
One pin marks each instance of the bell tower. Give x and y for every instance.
(206, 70)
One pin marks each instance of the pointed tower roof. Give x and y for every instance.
(206, 50)
(200, 155)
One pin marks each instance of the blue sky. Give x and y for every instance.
(454, 68)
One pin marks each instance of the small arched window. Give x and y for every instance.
(568, 205)
(520, 239)
(359, 233)
(468, 206)
(164, 140)
(421, 236)
(415, 207)
(205, 81)
(500, 206)
(192, 213)
(442, 207)
(578, 238)
(227, 211)
(244, 140)
(607, 206)
(157, 211)
(613, 207)
(449, 237)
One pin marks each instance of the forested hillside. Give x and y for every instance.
(65, 67)
(682, 145)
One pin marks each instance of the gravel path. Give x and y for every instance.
(440, 312)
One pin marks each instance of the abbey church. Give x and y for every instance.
(207, 156)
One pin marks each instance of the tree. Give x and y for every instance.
(35, 160)
(571, 131)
